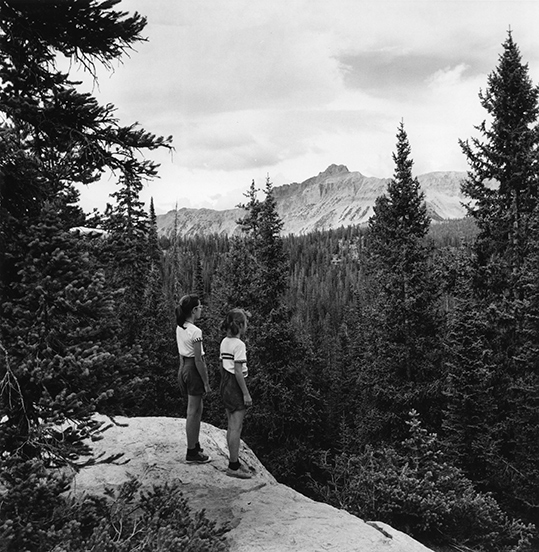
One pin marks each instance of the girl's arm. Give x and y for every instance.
(238, 371)
(200, 363)
(180, 368)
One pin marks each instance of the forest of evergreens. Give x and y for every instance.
(394, 368)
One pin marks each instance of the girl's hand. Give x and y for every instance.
(207, 387)
(247, 400)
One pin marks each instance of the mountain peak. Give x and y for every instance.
(334, 198)
(333, 169)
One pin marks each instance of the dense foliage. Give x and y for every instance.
(400, 362)
(59, 323)
(413, 486)
(37, 516)
(493, 360)
(69, 340)
(393, 368)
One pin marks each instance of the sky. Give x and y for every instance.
(251, 89)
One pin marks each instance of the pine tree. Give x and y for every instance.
(400, 366)
(270, 254)
(198, 280)
(154, 293)
(254, 276)
(173, 265)
(58, 319)
(156, 329)
(502, 182)
(492, 353)
(154, 250)
(401, 215)
(256, 268)
(250, 223)
(126, 252)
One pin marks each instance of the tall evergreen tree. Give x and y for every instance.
(502, 181)
(270, 254)
(254, 275)
(154, 250)
(198, 280)
(156, 324)
(154, 292)
(400, 367)
(492, 353)
(58, 323)
(126, 252)
(173, 264)
(256, 268)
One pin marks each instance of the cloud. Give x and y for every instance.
(448, 76)
(387, 73)
(231, 56)
(290, 86)
(251, 140)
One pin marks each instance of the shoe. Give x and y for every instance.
(197, 458)
(241, 473)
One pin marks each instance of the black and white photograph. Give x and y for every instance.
(269, 276)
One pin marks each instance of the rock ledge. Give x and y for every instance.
(265, 516)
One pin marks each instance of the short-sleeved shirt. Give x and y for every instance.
(186, 337)
(233, 350)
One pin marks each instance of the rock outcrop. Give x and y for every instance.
(264, 516)
(334, 198)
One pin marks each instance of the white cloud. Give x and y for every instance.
(448, 76)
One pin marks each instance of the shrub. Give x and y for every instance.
(36, 515)
(415, 490)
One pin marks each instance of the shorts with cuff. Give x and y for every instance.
(231, 392)
(189, 379)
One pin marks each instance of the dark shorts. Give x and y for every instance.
(231, 392)
(189, 379)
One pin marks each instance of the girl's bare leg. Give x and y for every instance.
(194, 417)
(233, 434)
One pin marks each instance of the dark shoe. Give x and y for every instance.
(197, 457)
(241, 473)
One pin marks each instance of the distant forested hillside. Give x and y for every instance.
(324, 268)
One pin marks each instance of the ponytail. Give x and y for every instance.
(234, 320)
(185, 308)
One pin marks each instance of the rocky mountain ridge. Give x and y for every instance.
(335, 197)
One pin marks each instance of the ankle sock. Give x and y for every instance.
(234, 465)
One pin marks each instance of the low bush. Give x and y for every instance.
(36, 515)
(416, 491)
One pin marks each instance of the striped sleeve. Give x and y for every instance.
(240, 352)
(197, 335)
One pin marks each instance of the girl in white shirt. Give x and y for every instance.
(192, 374)
(234, 391)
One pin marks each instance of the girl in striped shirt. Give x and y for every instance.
(234, 391)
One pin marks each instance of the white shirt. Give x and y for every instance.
(233, 350)
(186, 337)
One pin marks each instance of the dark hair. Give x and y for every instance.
(234, 320)
(185, 308)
